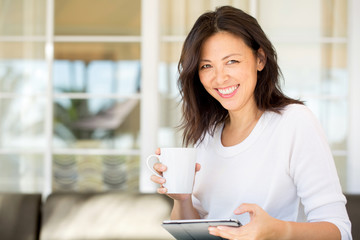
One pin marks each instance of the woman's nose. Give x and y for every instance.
(221, 75)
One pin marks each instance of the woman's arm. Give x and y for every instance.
(263, 226)
(313, 230)
(183, 209)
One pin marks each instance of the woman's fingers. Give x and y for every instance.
(160, 181)
(160, 168)
(197, 167)
(246, 207)
(224, 232)
(162, 190)
(214, 231)
(157, 179)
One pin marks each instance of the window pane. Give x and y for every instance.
(177, 17)
(106, 68)
(99, 76)
(22, 68)
(96, 123)
(95, 173)
(22, 50)
(306, 18)
(168, 72)
(169, 134)
(19, 17)
(23, 76)
(313, 69)
(22, 122)
(170, 107)
(94, 17)
(333, 116)
(21, 173)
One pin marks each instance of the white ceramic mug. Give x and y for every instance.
(180, 173)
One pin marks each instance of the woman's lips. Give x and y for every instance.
(228, 91)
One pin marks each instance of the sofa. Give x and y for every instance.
(99, 216)
(353, 209)
(84, 216)
(19, 216)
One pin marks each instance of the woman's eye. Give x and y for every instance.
(232, 61)
(205, 66)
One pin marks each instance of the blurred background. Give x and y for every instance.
(88, 87)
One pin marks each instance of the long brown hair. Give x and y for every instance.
(201, 112)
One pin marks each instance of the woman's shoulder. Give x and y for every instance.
(299, 115)
(288, 113)
(297, 112)
(295, 108)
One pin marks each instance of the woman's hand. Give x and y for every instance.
(160, 168)
(261, 225)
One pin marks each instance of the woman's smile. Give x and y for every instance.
(228, 91)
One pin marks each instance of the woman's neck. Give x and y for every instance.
(239, 125)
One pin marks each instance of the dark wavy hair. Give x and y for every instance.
(201, 112)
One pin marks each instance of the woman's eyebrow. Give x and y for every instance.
(227, 56)
(231, 55)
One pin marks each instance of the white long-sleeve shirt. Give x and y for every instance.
(285, 166)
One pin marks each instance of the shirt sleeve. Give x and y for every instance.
(314, 173)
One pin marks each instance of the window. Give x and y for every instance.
(88, 88)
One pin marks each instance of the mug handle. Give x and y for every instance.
(151, 167)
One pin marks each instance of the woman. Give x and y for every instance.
(264, 157)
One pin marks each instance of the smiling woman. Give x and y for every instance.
(259, 151)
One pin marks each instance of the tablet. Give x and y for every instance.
(196, 229)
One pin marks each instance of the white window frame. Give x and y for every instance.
(149, 110)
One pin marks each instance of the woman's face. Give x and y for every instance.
(228, 70)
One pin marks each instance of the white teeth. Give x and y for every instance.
(228, 90)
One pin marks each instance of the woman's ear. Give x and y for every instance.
(261, 59)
